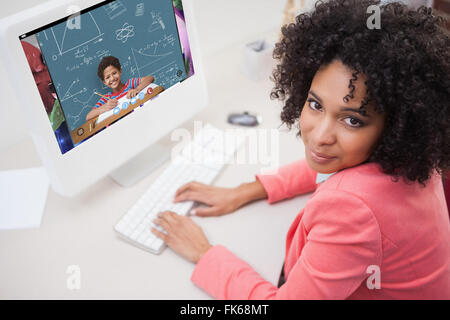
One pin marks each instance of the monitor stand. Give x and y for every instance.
(142, 165)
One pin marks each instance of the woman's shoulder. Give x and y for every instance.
(351, 197)
(365, 176)
(371, 185)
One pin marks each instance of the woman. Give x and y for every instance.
(372, 108)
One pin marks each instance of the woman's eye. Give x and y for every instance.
(353, 122)
(314, 105)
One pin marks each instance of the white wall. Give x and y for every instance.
(224, 22)
(220, 23)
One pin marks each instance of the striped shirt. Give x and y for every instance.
(132, 83)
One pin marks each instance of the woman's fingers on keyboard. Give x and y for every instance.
(167, 217)
(183, 189)
(165, 220)
(193, 185)
(159, 234)
(160, 222)
(193, 196)
(184, 236)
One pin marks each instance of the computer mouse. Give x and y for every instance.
(244, 119)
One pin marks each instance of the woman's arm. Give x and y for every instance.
(220, 201)
(334, 244)
(343, 240)
(290, 180)
(252, 191)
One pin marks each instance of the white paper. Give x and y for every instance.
(23, 194)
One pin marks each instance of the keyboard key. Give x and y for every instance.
(156, 245)
(134, 235)
(142, 238)
(149, 241)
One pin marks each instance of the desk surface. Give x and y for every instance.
(79, 231)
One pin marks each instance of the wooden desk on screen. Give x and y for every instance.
(90, 128)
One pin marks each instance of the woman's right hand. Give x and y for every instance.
(221, 201)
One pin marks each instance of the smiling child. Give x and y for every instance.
(110, 72)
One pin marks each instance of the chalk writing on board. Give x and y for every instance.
(140, 9)
(157, 22)
(125, 32)
(80, 38)
(69, 94)
(115, 9)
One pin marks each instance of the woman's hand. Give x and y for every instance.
(182, 235)
(220, 200)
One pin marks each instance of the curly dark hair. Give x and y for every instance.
(105, 63)
(406, 64)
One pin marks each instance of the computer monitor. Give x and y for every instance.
(84, 125)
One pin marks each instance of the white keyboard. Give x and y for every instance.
(200, 160)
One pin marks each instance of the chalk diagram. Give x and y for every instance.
(115, 9)
(86, 105)
(81, 37)
(167, 74)
(140, 9)
(73, 40)
(68, 95)
(72, 95)
(125, 33)
(157, 22)
(138, 54)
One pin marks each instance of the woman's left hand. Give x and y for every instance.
(182, 235)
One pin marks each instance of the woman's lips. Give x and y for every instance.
(320, 158)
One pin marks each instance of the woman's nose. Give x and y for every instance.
(324, 133)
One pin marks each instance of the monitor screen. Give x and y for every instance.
(100, 64)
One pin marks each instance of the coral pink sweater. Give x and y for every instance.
(356, 223)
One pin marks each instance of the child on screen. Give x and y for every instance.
(110, 72)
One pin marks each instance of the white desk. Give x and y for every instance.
(79, 231)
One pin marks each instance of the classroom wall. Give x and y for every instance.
(220, 23)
